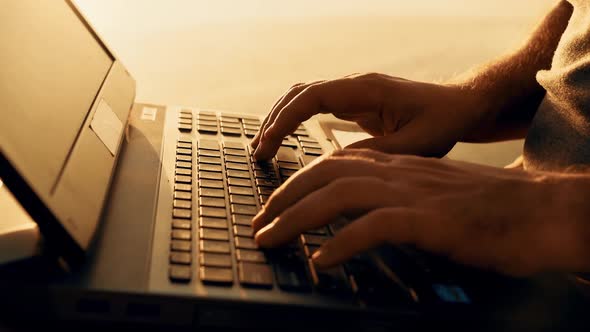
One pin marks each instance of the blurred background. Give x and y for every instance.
(242, 55)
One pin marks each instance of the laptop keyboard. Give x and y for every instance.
(229, 187)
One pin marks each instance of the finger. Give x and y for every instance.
(256, 138)
(361, 153)
(310, 179)
(294, 91)
(341, 95)
(326, 204)
(396, 225)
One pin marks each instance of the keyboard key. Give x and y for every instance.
(236, 159)
(181, 157)
(180, 273)
(302, 139)
(185, 139)
(219, 247)
(264, 199)
(287, 172)
(181, 224)
(207, 129)
(289, 166)
(245, 243)
(180, 245)
(253, 122)
(267, 191)
(183, 187)
(245, 231)
(209, 222)
(250, 133)
(183, 195)
(311, 145)
(310, 249)
(240, 199)
(225, 124)
(235, 166)
(210, 175)
(207, 113)
(233, 145)
(180, 234)
(212, 202)
(212, 212)
(251, 127)
(184, 145)
(260, 182)
(235, 152)
(186, 111)
(210, 168)
(229, 119)
(254, 256)
(180, 258)
(181, 213)
(289, 143)
(214, 234)
(183, 179)
(241, 191)
(317, 240)
(209, 160)
(239, 219)
(291, 275)
(208, 144)
(331, 280)
(287, 155)
(187, 152)
(183, 171)
(215, 260)
(255, 275)
(307, 159)
(209, 192)
(185, 116)
(183, 204)
(239, 182)
(209, 153)
(207, 118)
(312, 151)
(215, 184)
(300, 132)
(216, 275)
(269, 174)
(185, 127)
(244, 209)
(231, 131)
(183, 164)
(209, 122)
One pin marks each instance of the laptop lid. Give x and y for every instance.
(65, 100)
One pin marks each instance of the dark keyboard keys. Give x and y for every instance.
(312, 151)
(209, 160)
(243, 209)
(233, 145)
(239, 182)
(312, 239)
(291, 275)
(180, 258)
(215, 260)
(255, 275)
(180, 273)
(215, 184)
(238, 174)
(219, 223)
(212, 212)
(212, 202)
(332, 280)
(180, 245)
(254, 256)
(210, 192)
(214, 234)
(241, 199)
(245, 243)
(210, 175)
(287, 155)
(218, 247)
(207, 129)
(236, 159)
(216, 275)
(209, 153)
(241, 191)
(238, 219)
(245, 231)
(210, 168)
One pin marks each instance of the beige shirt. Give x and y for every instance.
(559, 135)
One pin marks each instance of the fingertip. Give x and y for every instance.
(320, 259)
(262, 236)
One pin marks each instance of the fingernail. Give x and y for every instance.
(318, 258)
(261, 235)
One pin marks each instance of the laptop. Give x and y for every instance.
(146, 209)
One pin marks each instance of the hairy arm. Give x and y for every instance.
(507, 87)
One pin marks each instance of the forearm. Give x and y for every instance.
(507, 88)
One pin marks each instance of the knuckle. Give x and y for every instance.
(369, 76)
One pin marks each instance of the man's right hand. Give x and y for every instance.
(405, 117)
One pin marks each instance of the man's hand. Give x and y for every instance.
(404, 116)
(508, 220)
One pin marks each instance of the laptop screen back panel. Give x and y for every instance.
(65, 102)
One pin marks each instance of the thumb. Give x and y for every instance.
(407, 141)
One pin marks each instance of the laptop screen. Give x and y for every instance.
(49, 77)
(58, 149)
